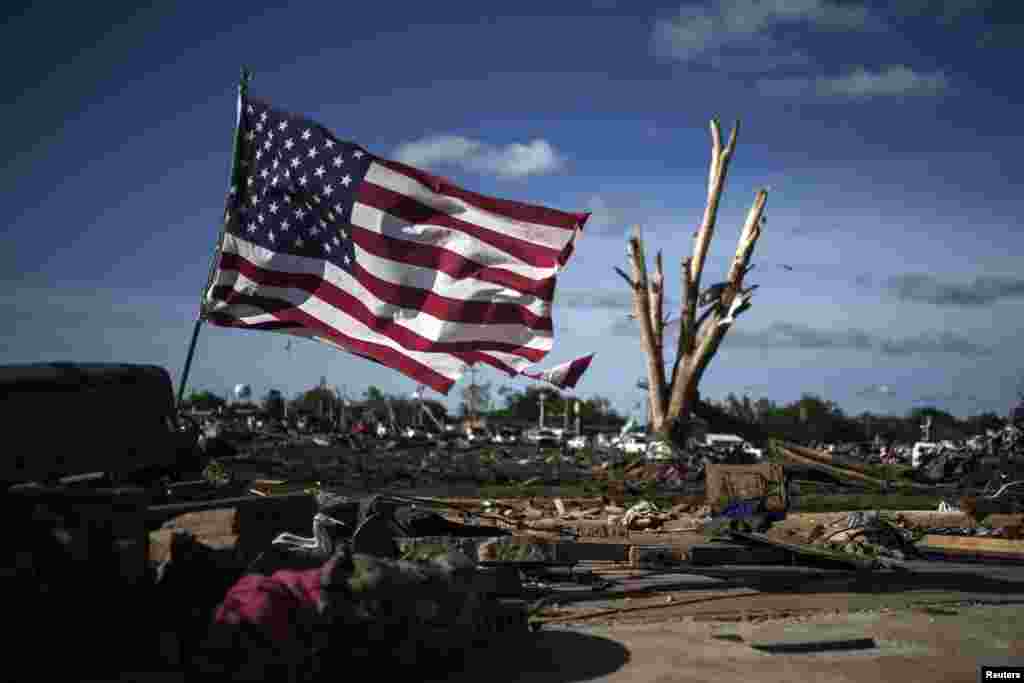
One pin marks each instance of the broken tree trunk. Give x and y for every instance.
(672, 399)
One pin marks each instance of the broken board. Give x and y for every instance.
(727, 483)
(807, 554)
(968, 547)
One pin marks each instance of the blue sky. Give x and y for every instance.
(888, 138)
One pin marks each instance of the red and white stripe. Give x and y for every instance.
(564, 375)
(443, 278)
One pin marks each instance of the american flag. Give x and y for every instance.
(327, 241)
(564, 375)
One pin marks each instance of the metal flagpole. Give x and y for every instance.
(243, 88)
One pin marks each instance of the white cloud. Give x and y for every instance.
(860, 84)
(709, 34)
(516, 160)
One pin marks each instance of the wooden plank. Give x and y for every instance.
(733, 553)
(826, 463)
(975, 544)
(807, 553)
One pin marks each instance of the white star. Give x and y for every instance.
(250, 136)
(298, 242)
(347, 260)
(288, 144)
(276, 163)
(273, 207)
(281, 126)
(254, 200)
(302, 180)
(274, 180)
(287, 173)
(259, 217)
(305, 134)
(270, 236)
(250, 181)
(295, 162)
(285, 225)
(338, 161)
(337, 242)
(328, 190)
(327, 247)
(263, 116)
(329, 144)
(250, 109)
(316, 199)
(252, 227)
(346, 180)
(299, 213)
(322, 224)
(330, 216)
(313, 232)
(337, 207)
(259, 154)
(358, 154)
(266, 145)
(344, 234)
(287, 199)
(264, 173)
(312, 152)
(259, 127)
(270, 135)
(320, 170)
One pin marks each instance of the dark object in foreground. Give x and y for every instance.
(816, 646)
(94, 417)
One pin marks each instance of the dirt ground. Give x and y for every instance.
(947, 645)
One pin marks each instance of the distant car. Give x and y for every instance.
(749, 449)
(634, 444)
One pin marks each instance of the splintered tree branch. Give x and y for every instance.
(717, 173)
(642, 309)
(710, 334)
(655, 297)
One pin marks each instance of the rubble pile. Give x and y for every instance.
(360, 586)
(869, 533)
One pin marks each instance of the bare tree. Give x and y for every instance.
(672, 399)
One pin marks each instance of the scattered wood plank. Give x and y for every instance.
(972, 544)
(733, 553)
(826, 463)
(808, 554)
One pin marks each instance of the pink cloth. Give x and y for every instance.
(274, 602)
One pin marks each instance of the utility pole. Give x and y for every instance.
(543, 395)
(472, 395)
(565, 417)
